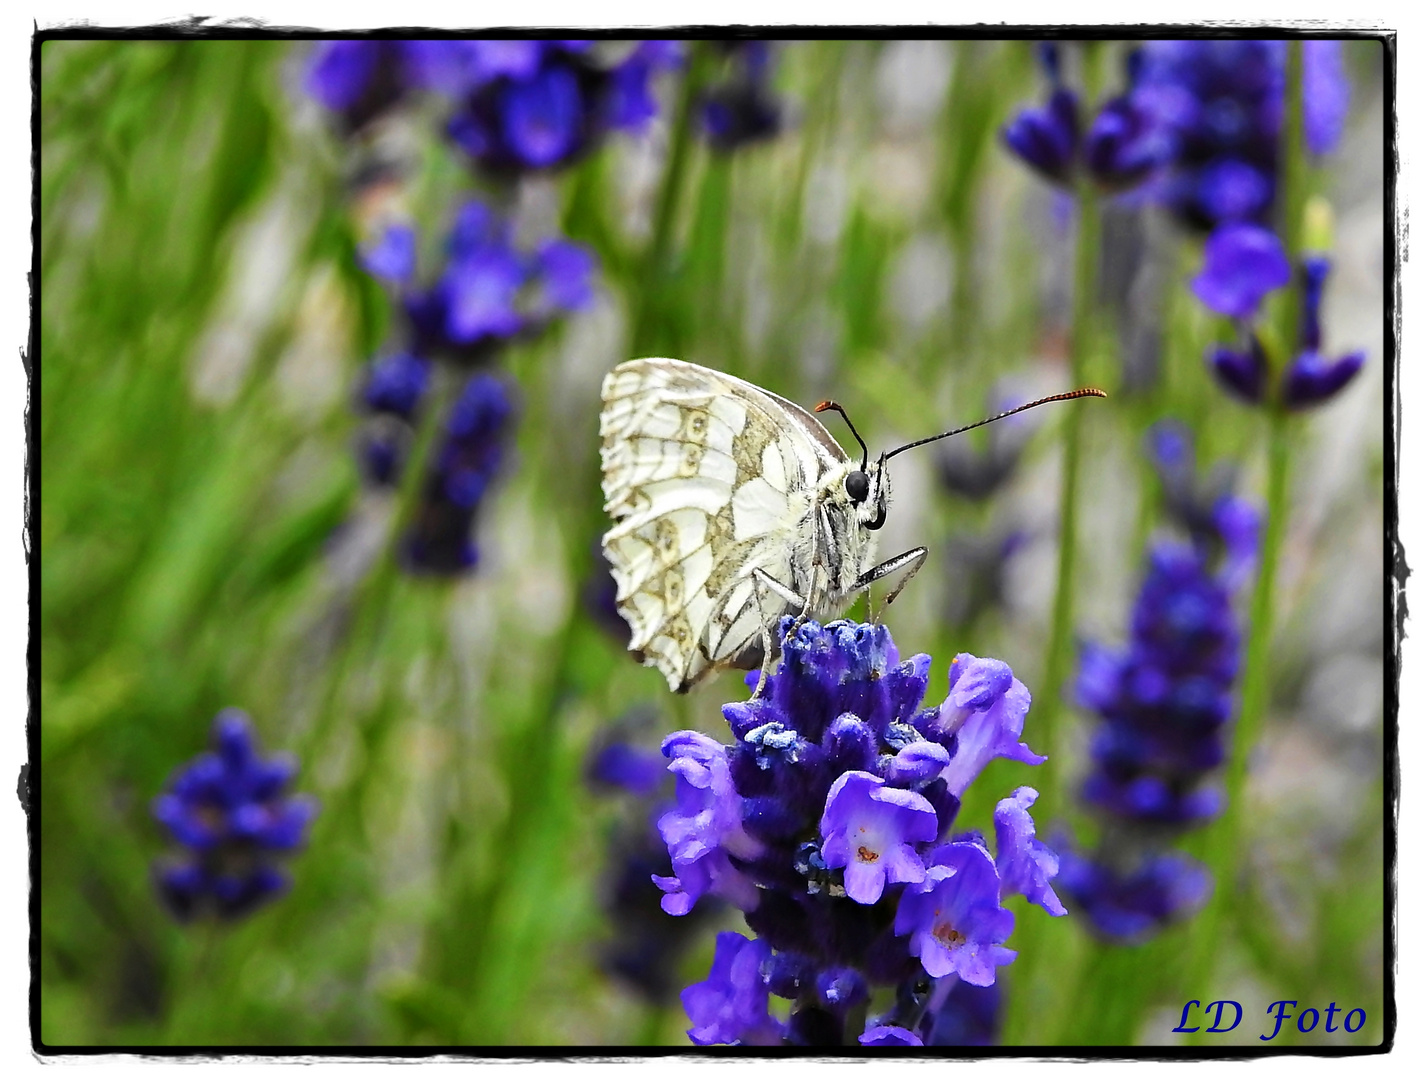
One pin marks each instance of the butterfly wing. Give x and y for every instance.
(707, 478)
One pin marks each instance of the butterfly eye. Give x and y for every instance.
(858, 486)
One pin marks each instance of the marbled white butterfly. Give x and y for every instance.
(732, 507)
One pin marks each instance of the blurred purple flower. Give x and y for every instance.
(741, 109)
(1221, 100)
(490, 291)
(1243, 263)
(1129, 907)
(392, 257)
(230, 809)
(542, 105)
(1124, 144)
(1047, 139)
(1242, 372)
(1311, 379)
(467, 459)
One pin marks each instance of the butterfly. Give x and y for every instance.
(732, 507)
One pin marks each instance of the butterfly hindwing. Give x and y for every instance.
(706, 477)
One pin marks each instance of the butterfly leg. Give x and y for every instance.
(910, 561)
(762, 580)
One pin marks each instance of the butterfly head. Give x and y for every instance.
(869, 489)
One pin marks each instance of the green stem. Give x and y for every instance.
(366, 608)
(1050, 704)
(1224, 843)
(652, 274)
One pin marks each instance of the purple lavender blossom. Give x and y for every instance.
(467, 460)
(1241, 372)
(985, 712)
(394, 388)
(954, 918)
(1311, 379)
(231, 811)
(1124, 143)
(731, 1005)
(1223, 526)
(1221, 100)
(542, 105)
(396, 384)
(1047, 139)
(1165, 701)
(1025, 864)
(392, 257)
(704, 828)
(820, 822)
(741, 108)
(868, 828)
(1243, 263)
(357, 80)
(1128, 907)
(889, 1035)
(645, 944)
(490, 291)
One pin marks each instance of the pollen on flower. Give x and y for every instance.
(865, 854)
(947, 935)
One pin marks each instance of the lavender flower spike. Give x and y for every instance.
(868, 828)
(1024, 863)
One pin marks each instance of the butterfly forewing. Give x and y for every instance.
(707, 478)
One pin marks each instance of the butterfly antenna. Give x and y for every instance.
(1070, 395)
(865, 454)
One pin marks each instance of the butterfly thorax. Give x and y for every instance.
(837, 542)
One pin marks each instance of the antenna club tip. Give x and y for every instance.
(822, 406)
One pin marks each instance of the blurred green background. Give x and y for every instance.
(205, 541)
